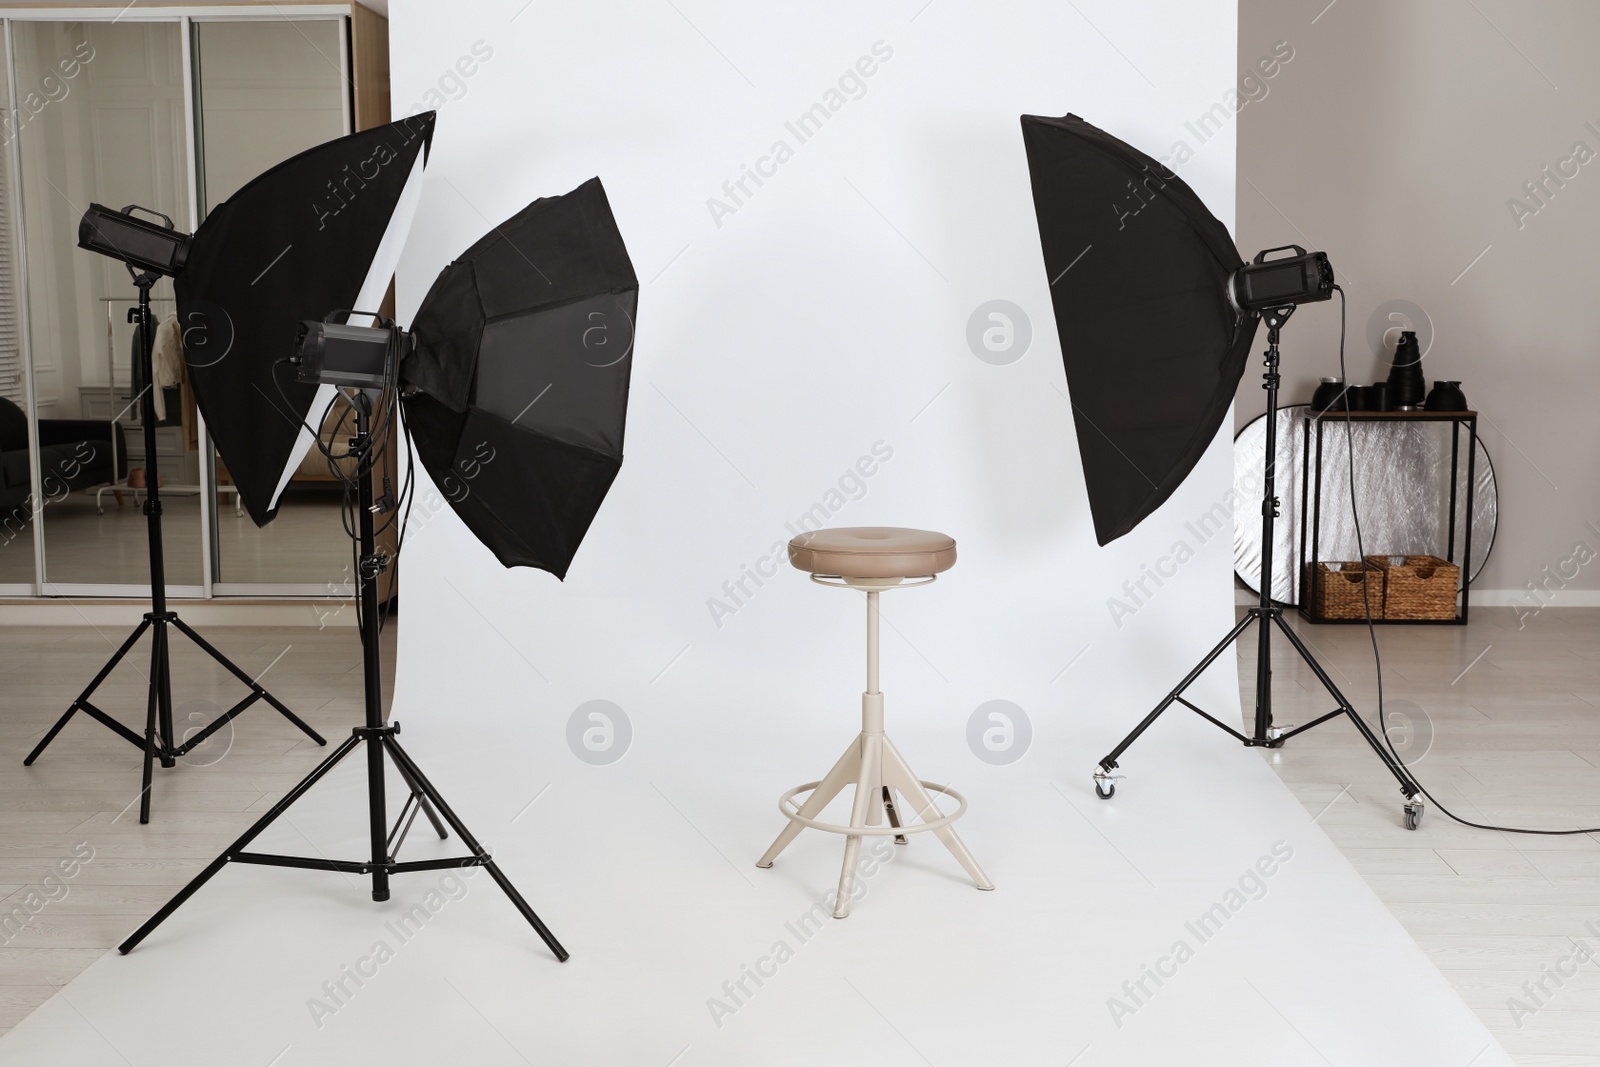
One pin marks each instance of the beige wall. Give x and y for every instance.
(1394, 139)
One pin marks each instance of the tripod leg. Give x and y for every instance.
(199, 737)
(249, 835)
(255, 686)
(1407, 785)
(83, 697)
(150, 716)
(415, 774)
(50, 736)
(161, 678)
(424, 803)
(1171, 698)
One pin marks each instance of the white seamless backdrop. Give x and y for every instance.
(788, 330)
(818, 199)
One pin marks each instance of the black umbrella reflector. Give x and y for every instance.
(320, 231)
(517, 383)
(1139, 272)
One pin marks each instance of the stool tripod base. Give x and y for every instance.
(877, 770)
(159, 742)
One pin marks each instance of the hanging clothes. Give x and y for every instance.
(166, 362)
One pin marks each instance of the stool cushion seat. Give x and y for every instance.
(873, 552)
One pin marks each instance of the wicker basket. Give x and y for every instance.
(1421, 587)
(1337, 590)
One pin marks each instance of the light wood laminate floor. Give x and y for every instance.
(1501, 721)
(83, 791)
(1510, 716)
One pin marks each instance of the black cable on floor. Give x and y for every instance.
(1372, 630)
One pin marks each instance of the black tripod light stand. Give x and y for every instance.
(380, 739)
(159, 741)
(1266, 616)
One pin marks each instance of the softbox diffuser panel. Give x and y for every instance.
(517, 383)
(514, 388)
(320, 232)
(1138, 270)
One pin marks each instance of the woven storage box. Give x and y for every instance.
(1421, 587)
(1336, 590)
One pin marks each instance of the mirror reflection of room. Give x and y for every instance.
(102, 119)
(109, 123)
(268, 91)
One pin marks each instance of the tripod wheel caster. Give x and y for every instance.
(1104, 787)
(1413, 814)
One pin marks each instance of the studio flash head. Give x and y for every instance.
(1301, 278)
(160, 248)
(333, 352)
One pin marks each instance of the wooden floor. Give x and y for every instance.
(82, 793)
(1510, 718)
(1502, 724)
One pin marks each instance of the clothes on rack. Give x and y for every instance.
(166, 362)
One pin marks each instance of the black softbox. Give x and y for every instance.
(320, 231)
(1154, 350)
(516, 389)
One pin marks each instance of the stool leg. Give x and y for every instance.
(843, 772)
(876, 809)
(899, 775)
(868, 785)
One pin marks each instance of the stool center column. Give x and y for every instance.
(872, 699)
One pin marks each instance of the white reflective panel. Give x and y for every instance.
(1402, 479)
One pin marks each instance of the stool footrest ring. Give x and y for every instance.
(791, 811)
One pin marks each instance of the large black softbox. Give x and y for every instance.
(1154, 350)
(319, 232)
(516, 389)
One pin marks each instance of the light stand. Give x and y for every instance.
(159, 742)
(379, 738)
(1266, 615)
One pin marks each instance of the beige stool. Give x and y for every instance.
(872, 559)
